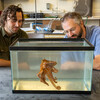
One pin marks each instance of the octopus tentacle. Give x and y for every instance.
(43, 79)
(57, 87)
(54, 79)
(41, 75)
(54, 70)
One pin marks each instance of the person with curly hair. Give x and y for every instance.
(11, 21)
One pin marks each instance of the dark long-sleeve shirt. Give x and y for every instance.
(6, 41)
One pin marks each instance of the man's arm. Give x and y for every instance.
(4, 63)
(96, 62)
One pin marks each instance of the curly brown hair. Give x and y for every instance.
(10, 12)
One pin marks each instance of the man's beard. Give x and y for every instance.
(80, 34)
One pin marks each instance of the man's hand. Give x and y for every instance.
(4, 63)
(23, 65)
(96, 62)
(72, 65)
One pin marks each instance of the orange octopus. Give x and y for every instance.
(46, 68)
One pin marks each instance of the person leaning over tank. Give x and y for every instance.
(11, 21)
(74, 27)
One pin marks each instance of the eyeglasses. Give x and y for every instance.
(70, 31)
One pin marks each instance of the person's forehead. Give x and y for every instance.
(69, 23)
(11, 16)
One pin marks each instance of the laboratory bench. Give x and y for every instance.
(6, 90)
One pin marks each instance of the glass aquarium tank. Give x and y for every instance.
(51, 65)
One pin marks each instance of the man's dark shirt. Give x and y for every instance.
(6, 41)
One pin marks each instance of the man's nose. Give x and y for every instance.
(17, 24)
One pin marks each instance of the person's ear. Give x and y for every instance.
(82, 23)
(84, 30)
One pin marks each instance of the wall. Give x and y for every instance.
(55, 5)
(1, 5)
(96, 7)
(28, 5)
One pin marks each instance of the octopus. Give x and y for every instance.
(46, 68)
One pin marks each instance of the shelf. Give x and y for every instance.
(84, 18)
